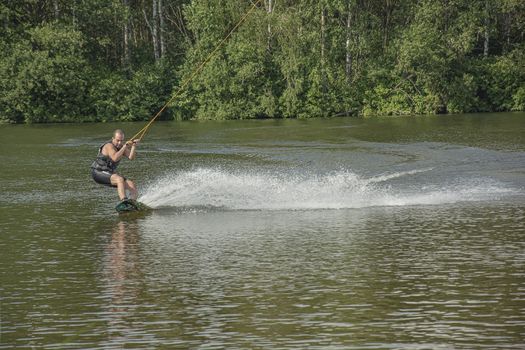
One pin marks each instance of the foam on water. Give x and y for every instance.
(219, 188)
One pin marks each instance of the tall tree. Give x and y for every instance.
(270, 5)
(486, 32)
(162, 29)
(155, 30)
(126, 30)
(348, 42)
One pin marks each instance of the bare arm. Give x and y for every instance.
(113, 154)
(130, 153)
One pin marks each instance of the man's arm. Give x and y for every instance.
(115, 155)
(130, 153)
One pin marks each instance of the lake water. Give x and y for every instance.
(384, 233)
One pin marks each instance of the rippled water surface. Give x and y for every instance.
(394, 233)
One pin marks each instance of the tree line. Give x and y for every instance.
(121, 60)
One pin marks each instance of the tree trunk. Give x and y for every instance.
(386, 25)
(348, 67)
(269, 10)
(162, 31)
(56, 9)
(125, 58)
(73, 15)
(486, 25)
(323, 39)
(155, 30)
(323, 49)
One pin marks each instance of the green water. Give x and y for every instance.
(387, 233)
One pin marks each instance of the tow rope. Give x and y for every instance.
(139, 135)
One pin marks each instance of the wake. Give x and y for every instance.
(221, 189)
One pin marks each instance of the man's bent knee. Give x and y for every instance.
(117, 179)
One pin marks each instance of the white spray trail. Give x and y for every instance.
(217, 188)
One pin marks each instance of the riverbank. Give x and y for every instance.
(92, 120)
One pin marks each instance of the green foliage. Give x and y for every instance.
(95, 60)
(44, 78)
(432, 52)
(519, 99)
(119, 98)
(506, 76)
(234, 84)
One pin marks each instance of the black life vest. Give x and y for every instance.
(104, 163)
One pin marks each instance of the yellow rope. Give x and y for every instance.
(139, 135)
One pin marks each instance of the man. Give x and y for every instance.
(105, 166)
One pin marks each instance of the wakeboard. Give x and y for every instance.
(130, 205)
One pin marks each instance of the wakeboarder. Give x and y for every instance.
(103, 169)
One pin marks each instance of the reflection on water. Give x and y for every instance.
(121, 269)
(379, 278)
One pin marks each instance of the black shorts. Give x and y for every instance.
(103, 177)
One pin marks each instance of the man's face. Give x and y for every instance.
(118, 140)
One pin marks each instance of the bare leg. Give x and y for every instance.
(121, 185)
(130, 186)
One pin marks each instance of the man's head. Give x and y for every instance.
(118, 138)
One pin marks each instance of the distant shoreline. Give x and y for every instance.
(341, 115)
